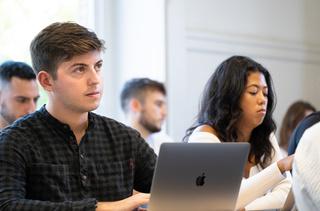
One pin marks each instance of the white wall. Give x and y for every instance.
(134, 34)
(284, 36)
(104, 24)
(181, 42)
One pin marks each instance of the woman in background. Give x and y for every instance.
(237, 106)
(295, 113)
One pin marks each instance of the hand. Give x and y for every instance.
(285, 164)
(128, 204)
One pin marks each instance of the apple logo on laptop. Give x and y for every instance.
(200, 180)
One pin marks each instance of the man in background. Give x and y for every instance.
(144, 103)
(18, 91)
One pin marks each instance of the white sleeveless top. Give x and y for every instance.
(265, 188)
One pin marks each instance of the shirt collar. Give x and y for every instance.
(52, 120)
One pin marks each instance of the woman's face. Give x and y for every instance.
(254, 100)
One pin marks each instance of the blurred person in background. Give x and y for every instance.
(295, 113)
(144, 103)
(18, 91)
(305, 124)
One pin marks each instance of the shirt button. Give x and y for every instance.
(81, 156)
(84, 177)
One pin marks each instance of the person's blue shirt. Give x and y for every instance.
(298, 132)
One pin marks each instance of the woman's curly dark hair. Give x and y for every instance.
(220, 106)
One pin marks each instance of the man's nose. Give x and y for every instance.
(94, 77)
(164, 111)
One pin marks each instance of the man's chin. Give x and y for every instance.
(155, 130)
(94, 108)
(89, 108)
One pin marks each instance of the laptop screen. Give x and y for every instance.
(198, 176)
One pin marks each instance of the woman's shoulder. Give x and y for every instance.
(205, 128)
(203, 133)
(274, 142)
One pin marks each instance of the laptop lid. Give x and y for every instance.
(198, 176)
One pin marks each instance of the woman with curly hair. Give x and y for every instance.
(237, 106)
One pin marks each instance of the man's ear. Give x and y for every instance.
(45, 80)
(135, 105)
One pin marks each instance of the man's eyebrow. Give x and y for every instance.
(83, 64)
(21, 97)
(99, 62)
(78, 64)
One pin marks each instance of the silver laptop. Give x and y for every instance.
(198, 176)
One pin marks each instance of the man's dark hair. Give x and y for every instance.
(137, 88)
(20, 70)
(60, 42)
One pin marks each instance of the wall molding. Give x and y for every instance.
(200, 41)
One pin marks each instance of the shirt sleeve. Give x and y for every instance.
(145, 161)
(13, 183)
(269, 188)
(255, 187)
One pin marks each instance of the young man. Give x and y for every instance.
(64, 157)
(18, 91)
(144, 103)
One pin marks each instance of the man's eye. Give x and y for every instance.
(22, 100)
(98, 67)
(79, 69)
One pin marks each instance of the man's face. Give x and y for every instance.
(153, 111)
(18, 98)
(78, 85)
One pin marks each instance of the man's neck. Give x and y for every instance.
(144, 133)
(78, 122)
